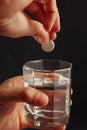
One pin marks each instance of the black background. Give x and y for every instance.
(70, 45)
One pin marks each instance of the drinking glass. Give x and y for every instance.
(53, 77)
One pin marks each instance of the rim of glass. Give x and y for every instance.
(47, 70)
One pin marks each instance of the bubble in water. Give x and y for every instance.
(63, 80)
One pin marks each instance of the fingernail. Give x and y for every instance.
(71, 103)
(41, 41)
(71, 91)
(41, 99)
(64, 127)
(38, 39)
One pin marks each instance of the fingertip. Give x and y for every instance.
(35, 97)
(47, 27)
(41, 99)
(71, 91)
(52, 35)
(42, 39)
(62, 127)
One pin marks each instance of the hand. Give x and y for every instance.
(12, 97)
(15, 22)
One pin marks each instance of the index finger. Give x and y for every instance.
(52, 16)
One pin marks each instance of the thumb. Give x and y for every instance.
(12, 90)
(37, 30)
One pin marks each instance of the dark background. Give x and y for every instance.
(70, 45)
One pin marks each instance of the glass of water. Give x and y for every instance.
(53, 77)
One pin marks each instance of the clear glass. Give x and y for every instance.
(53, 77)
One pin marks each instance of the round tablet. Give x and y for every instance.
(48, 47)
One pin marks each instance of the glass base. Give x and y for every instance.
(44, 123)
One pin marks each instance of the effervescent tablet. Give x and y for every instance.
(48, 47)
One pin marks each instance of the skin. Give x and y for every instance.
(15, 22)
(12, 97)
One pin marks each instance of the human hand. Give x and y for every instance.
(12, 97)
(14, 21)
